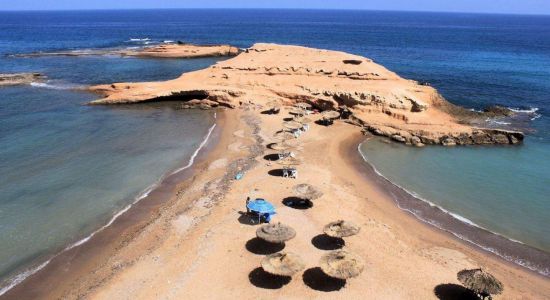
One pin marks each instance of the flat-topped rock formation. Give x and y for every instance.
(20, 78)
(380, 100)
(179, 50)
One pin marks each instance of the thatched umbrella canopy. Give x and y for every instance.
(303, 120)
(293, 125)
(341, 228)
(284, 135)
(297, 111)
(307, 191)
(273, 104)
(341, 264)
(480, 282)
(289, 161)
(303, 105)
(283, 264)
(282, 146)
(331, 114)
(275, 233)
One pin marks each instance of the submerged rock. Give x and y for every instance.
(20, 78)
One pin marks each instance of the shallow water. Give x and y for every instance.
(501, 189)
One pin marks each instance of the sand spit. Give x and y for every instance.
(381, 102)
(157, 51)
(20, 78)
(200, 245)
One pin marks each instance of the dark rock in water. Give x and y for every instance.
(498, 111)
(448, 141)
(398, 138)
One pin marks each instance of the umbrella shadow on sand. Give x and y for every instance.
(450, 291)
(272, 157)
(297, 203)
(260, 278)
(316, 279)
(247, 219)
(325, 242)
(276, 172)
(261, 247)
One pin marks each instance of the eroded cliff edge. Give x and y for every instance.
(382, 102)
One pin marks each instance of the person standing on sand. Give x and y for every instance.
(247, 201)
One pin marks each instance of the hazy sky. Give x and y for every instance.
(489, 6)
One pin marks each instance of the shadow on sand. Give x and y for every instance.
(260, 278)
(261, 247)
(272, 157)
(297, 203)
(316, 279)
(450, 291)
(276, 172)
(325, 242)
(247, 219)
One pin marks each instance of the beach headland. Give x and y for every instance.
(191, 239)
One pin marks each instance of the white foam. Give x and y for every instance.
(50, 86)
(526, 111)
(168, 42)
(23, 275)
(139, 40)
(545, 272)
(202, 144)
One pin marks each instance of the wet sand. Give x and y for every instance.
(192, 240)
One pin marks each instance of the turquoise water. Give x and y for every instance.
(502, 189)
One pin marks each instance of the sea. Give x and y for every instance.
(68, 169)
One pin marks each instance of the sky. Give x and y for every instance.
(478, 6)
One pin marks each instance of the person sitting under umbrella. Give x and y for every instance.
(262, 208)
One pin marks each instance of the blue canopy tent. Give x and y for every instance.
(261, 208)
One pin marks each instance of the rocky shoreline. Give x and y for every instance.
(179, 50)
(20, 78)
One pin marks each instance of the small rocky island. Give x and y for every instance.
(20, 78)
(177, 50)
(380, 101)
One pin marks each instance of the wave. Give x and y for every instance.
(168, 42)
(17, 279)
(61, 86)
(530, 110)
(521, 262)
(139, 40)
(202, 144)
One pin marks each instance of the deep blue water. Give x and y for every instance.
(474, 60)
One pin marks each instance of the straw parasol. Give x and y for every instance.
(297, 111)
(307, 191)
(283, 264)
(282, 146)
(341, 264)
(275, 233)
(293, 125)
(480, 282)
(303, 105)
(331, 114)
(303, 120)
(284, 135)
(289, 161)
(340, 229)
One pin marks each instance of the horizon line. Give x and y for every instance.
(275, 8)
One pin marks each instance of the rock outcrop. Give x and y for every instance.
(180, 50)
(380, 101)
(20, 78)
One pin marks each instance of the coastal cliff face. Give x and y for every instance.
(382, 102)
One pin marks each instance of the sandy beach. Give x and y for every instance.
(191, 240)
